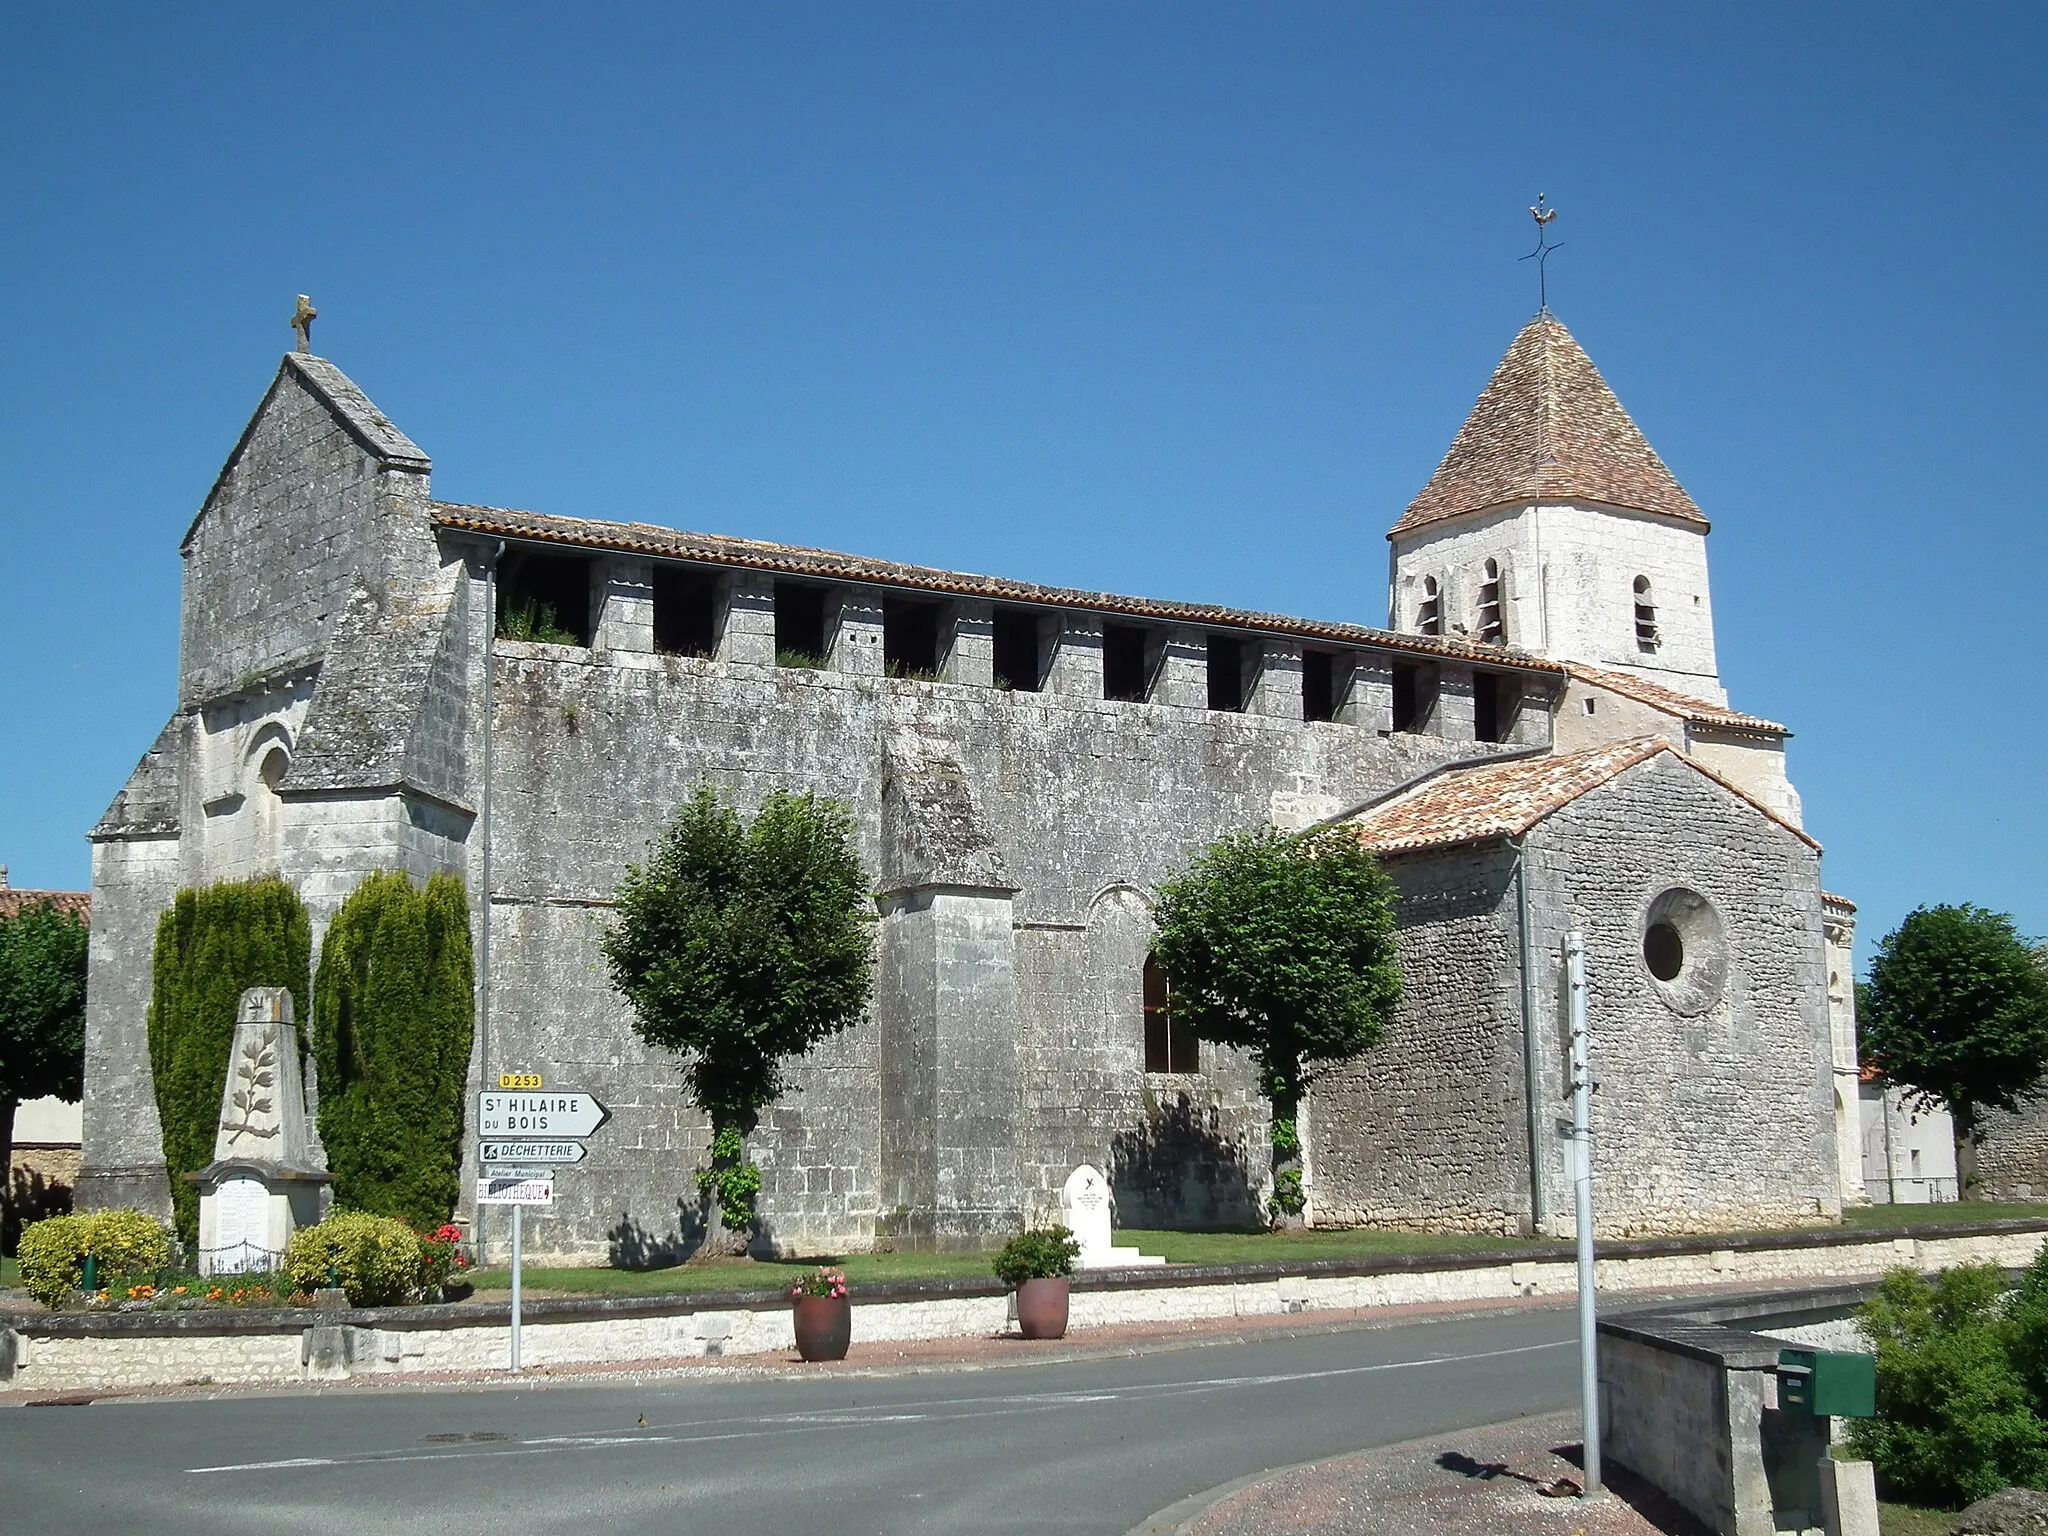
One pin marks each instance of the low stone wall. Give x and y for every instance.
(1689, 1400)
(69, 1352)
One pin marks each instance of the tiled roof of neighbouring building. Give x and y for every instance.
(12, 900)
(1547, 427)
(1488, 801)
(1682, 706)
(827, 565)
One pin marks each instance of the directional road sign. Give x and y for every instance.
(540, 1115)
(545, 1154)
(492, 1190)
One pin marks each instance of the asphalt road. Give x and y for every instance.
(1091, 1446)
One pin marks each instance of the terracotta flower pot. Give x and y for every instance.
(824, 1326)
(1042, 1308)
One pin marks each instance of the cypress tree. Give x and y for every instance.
(211, 945)
(391, 1037)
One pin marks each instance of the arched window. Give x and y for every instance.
(270, 759)
(1491, 625)
(1429, 618)
(1170, 1046)
(275, 762)
(1646, 616)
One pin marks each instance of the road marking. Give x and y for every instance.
(906, 1413)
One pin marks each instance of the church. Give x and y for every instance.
(1537, 742)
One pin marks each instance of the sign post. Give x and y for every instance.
(518, 1255)
(531, 1132)
(518, 1188)
(1580, 1164)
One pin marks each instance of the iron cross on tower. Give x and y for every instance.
(1543, 214)
(302, 321)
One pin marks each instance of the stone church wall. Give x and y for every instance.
(1425, 1131)
(1088, 801)
(299, 515)
(1710, 1113)
(1713, 1112)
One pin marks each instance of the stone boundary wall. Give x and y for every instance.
(1689, 1400)
(74, 1352)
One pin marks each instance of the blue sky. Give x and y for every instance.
(1182, 300)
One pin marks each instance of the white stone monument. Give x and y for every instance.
(1084, 1207)
(268, 1175)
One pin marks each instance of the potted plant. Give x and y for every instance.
(1035, 1264)
(824, 1314)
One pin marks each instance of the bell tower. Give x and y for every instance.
(1551, 526)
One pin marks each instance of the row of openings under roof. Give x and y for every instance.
(552, 597)
(1418, 702)
(915, 636)
(914, 640)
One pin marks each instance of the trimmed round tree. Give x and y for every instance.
(741, 947)
(42, 1023)
(1956, 1011)
(1282, 946)
(394, 1015)
(212, 945)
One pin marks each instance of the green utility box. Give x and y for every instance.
(1828, 1383)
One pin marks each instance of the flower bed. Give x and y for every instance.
(125, 1261)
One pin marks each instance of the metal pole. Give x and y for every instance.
(483, 988)
(1582, 1190)
(517, 1212)
(1532, 1066)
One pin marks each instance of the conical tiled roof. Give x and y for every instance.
(1548, 427)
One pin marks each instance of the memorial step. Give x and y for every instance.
(1117, 1257)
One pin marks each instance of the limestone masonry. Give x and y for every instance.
(1539, 741)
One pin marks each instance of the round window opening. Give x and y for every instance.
(1663, 951)
(1685, 950)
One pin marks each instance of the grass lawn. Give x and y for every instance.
(1912, 1520)
(1928, 1215)
(1175, 1247)
(10, 1274)
(881, 1268)
(1284, 1247)
(738, 1274)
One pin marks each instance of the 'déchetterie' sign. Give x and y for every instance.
(572, 1115)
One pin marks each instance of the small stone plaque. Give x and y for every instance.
(242, 1223)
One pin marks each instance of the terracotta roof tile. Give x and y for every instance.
(1475, 805)
(76, 902)
(1547, 427)
(1671, 702)
(828, 565)
(1501, 800)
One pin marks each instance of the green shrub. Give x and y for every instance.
(378, 1261)
(393, 1017)
(211, 946)
(1043, 1253)
(126, 1242)
(1955, 1421)
(2026, 1316)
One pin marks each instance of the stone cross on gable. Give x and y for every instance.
(302, 322)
